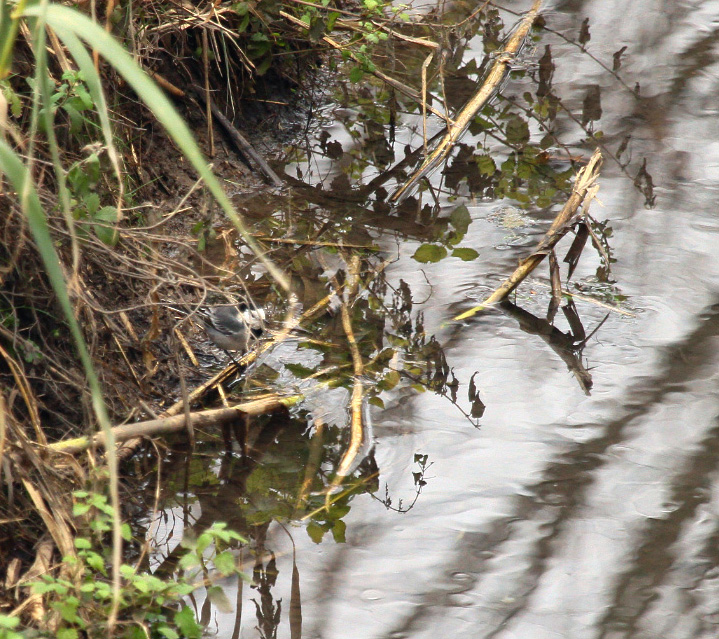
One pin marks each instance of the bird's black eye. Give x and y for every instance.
(257, 332)
(243, 307)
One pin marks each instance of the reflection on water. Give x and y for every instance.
(548, 469)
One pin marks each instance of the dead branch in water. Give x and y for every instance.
(494, 79)
(175, 423)
(584, 190)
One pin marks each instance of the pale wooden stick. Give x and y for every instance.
(176, 423)
(357, 430)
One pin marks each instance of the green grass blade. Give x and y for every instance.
(19, 176)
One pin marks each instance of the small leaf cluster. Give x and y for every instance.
(73, 98)
(82, 180)
(83, 596)
(458, 224)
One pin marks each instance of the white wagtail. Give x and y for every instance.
(233, 327)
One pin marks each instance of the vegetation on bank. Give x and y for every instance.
(112, 216)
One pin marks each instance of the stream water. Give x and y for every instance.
(579, 499)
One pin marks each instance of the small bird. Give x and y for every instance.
(233, 328)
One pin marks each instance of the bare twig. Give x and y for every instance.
(357, 431)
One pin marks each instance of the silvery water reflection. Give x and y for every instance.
(585, 504)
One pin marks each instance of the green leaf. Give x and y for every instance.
(376, 401)
(107, 216)
(67, 633)
(390, 380)
(96, 562)
(331, 19)
(13, 100)
(430, 253)
(465, 254)
(356, 74)
(127, 571)
(168, 632)
(525, 170)
(338, 531)
(186, 622)
(92, 203)
(9, 622)
(485, 164)
(298, 370)
(220, 600)
(68, 609)
(203, 542)
(315, 531)
(75, 117)
(82, 543)
(460, 218)
(190, 560)
(225, 562)
(543, 202)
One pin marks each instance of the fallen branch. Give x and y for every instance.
(494, 79)
(176, 423)
(583, 192)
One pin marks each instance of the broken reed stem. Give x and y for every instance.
(583, 192)
(425, 65)
(357, 430)
(496, 75)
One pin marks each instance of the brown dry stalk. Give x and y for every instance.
(314, 462)
(33, 605)
(583, 192)
(496, 75)
(27, 395)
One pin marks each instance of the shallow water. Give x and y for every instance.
(559, 512)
